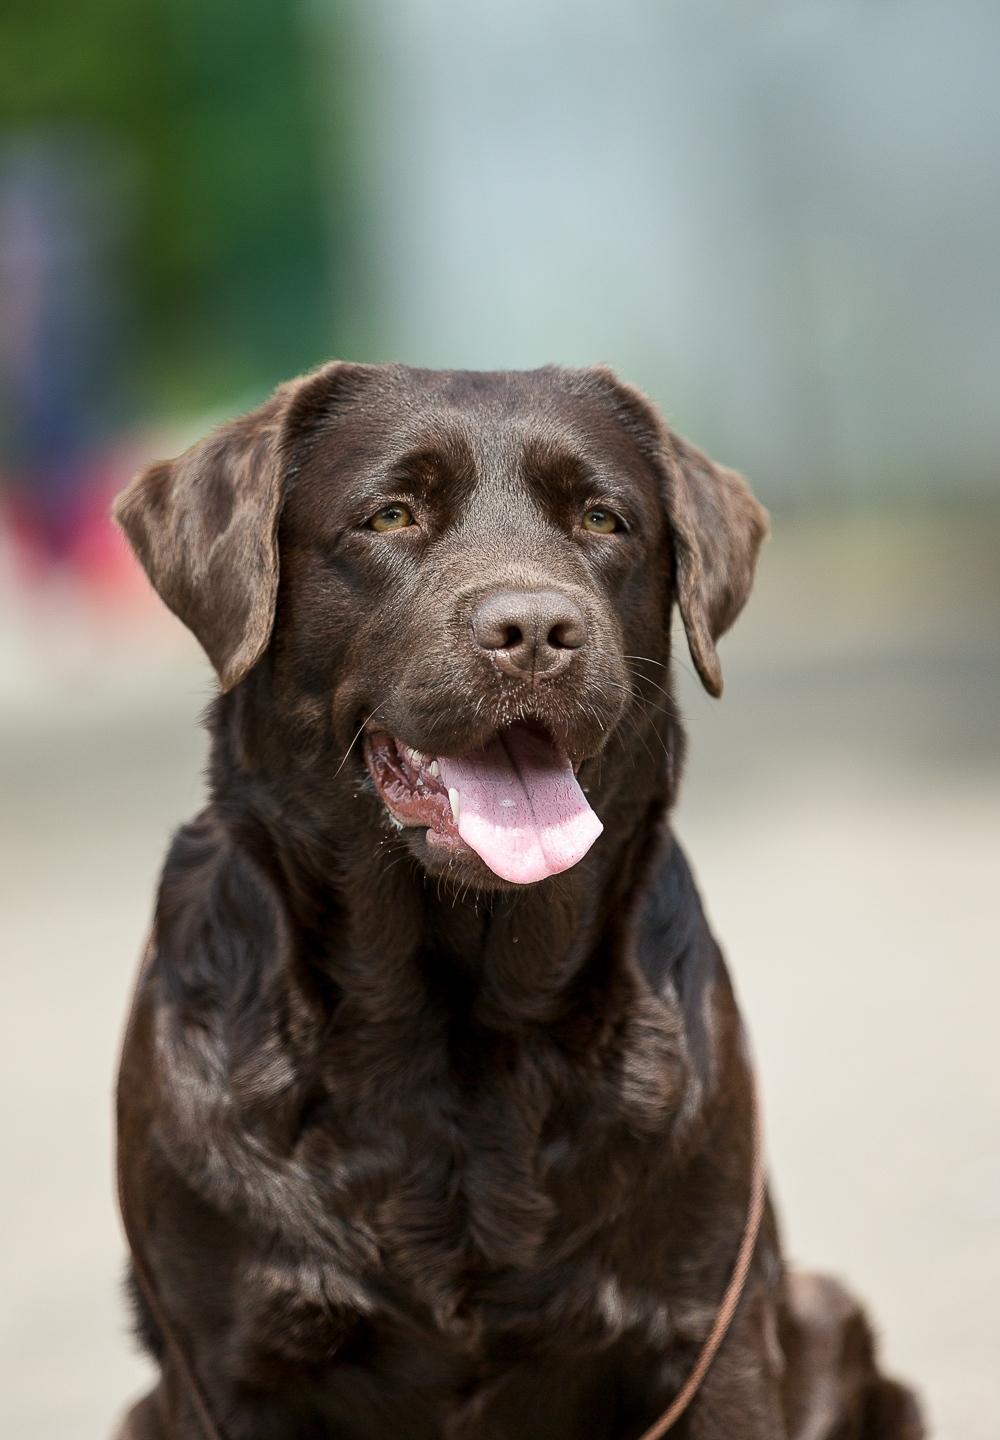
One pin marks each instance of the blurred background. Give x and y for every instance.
(781, 220)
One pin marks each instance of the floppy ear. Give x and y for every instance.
(205, 526)
(716, 526)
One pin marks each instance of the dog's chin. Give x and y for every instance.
(448, 859)
(506, 813)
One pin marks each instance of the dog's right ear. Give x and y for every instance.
(716, 524)
(205, 526)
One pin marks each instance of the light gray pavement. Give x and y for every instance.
(843, 815)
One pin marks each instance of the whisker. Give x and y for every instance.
(649, 709)
(354, 740)
(646, 681)
(647, 703)
(393, 863)
(664, 665)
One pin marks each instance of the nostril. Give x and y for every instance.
(566, 635)
(513, 636)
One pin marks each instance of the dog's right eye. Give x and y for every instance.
(391, 517)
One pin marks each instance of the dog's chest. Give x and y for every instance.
(480, 1196)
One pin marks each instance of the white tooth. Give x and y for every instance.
(453, 801)
(435, 769)
(419, 758)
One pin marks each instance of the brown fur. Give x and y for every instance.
(409, 1153)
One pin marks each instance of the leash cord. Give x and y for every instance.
(734, 1290)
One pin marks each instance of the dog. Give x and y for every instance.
(436, 1116)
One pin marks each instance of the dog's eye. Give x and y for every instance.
(601, 522)
(391, 517)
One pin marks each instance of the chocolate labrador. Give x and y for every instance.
(435, 1113)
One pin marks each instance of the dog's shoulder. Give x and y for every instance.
(220, 919)
(675, 950)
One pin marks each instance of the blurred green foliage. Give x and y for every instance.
(205, 108)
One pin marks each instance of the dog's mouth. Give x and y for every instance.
(516, 802)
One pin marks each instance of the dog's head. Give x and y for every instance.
(461, 581)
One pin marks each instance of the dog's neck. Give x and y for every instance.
(381, 928)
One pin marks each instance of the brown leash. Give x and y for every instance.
(734, 1290)
(728, 1305)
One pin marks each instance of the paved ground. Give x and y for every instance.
(843, 814)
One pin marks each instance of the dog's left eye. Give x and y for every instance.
(601, 522)
(391, 517)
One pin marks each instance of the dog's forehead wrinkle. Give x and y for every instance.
(501, 430)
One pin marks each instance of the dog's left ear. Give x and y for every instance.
(716, 526)
(717, 529)
(205, 526)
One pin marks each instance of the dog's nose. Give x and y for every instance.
(529, 632)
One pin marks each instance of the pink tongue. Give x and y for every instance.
(520, 807)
